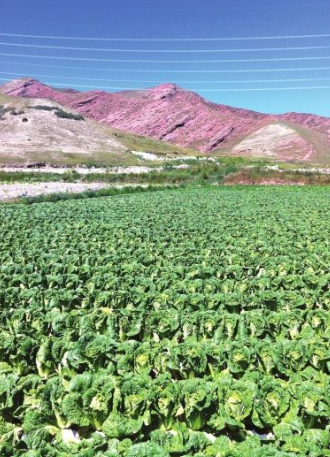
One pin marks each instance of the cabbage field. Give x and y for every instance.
(191, 322)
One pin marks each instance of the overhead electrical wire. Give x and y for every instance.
(91, 59)
(135, 39)
(133, 70)
(177, 51)
(157, 81)
(170, 51)
(196, 90)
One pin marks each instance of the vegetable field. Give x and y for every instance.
(176, 323)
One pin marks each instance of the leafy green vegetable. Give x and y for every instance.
(184, 323)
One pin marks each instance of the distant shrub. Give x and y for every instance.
(64, 115)
(3, 111)
(60, 112)
(16, 113)
(45, 107)
(25, 119)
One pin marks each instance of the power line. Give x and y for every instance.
(90, 59)
(130, 70)
(196, 90)
(172, 51)
(277, 37)
(157, 81)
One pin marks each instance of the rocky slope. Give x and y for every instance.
(165, 112)
(184, 118)
(276, 140)
(42, 130)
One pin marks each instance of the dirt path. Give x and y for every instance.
(87, 171)
(13, 191)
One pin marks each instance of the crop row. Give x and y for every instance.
(183, 323)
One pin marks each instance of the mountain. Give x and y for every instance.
(42, 130)
(183, 118)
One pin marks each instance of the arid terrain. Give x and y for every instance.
(42, 130)
(185, 119)
(64, 141)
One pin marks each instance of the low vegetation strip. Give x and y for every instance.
(42, 183)
(107, 191)
(169, 174)
(30, 190)
(264, 175)
(201, 329)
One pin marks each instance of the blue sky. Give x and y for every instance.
(220, 68)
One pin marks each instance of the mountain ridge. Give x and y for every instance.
(184, 118)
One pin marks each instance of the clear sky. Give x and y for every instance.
(200, 45)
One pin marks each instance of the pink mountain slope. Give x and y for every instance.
(181, 117)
